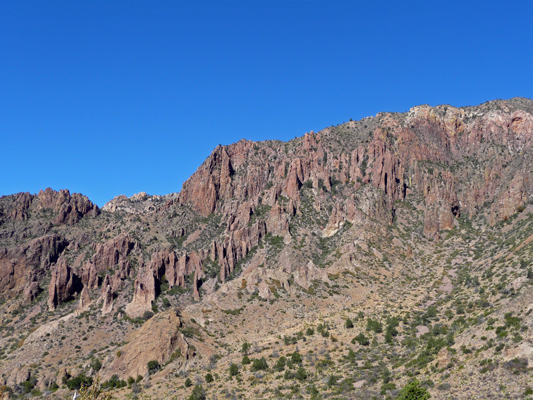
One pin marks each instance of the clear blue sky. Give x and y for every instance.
(118, 97)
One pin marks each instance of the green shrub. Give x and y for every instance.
(301, 374)
(147, 315)
(374, 325)
(96, 365)
(260, 364)
(79, 382)
(413, 391)
(245, 347)
(280, 364)
(114, 383)
(153, 367)
(233, 369)
(296, 358)
(361, 339)
(93, 392)
(198, 393)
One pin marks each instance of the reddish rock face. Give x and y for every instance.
(156, 340)
(115, 255)
(24, 264)
(396, 159)
(31, 291)
(85, 300)
(70, 208)
(22, 204)
(108, 296)
(89, 276)
(143, 297)
(235, 247)
(63, 285)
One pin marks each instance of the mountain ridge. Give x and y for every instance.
(333, 226)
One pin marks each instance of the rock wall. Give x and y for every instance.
(400, 158)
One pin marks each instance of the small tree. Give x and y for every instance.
(301, 374)
(96, 364)
(233, 369)
(166, 302)
(260, 364)
(245, 347)
(413, 391)
(80, 381)
(349, 323)
(361, 339)
(246, 360)
(280, 364)
(188, 382)
(208, 378)
(296, 358)
(153, 367)
(198, 393)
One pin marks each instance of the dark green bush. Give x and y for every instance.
(233, 369)
(361, 339)
(280, 364)
(79, 381)
(153, 366)
(296, 358)
(260, 364)
(374, 325)
(413, 391)
(198, 393)
(301, 374)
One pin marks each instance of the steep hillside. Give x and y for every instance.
(341, 264)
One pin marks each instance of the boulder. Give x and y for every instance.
(108, 296)
(85, 300)
(157, 340)
(143, 296)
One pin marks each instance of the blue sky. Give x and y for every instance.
(118, 97)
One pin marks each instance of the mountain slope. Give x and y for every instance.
(414, 227)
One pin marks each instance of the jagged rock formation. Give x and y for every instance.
(108, 296)
(69, 208)
(23, 265)
(143, 296)
(85, 300)
(392, 152)
(63, 285)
